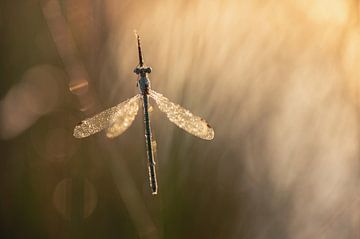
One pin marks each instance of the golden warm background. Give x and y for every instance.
(277, 80)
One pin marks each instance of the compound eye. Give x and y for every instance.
(148, 70)
(137, 70)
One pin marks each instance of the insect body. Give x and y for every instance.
(119, 118)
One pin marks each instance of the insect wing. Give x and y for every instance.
(183, 118)
(102, 120)
(123, 118)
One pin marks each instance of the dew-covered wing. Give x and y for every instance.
(123, 118)
(183, 118)
(118, 118)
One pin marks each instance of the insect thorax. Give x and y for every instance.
(144, 83)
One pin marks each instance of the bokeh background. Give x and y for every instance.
(277, 80)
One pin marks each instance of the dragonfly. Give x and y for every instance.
(116, 120)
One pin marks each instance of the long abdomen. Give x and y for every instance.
(149, 149)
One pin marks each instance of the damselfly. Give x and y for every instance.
(119, 118)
